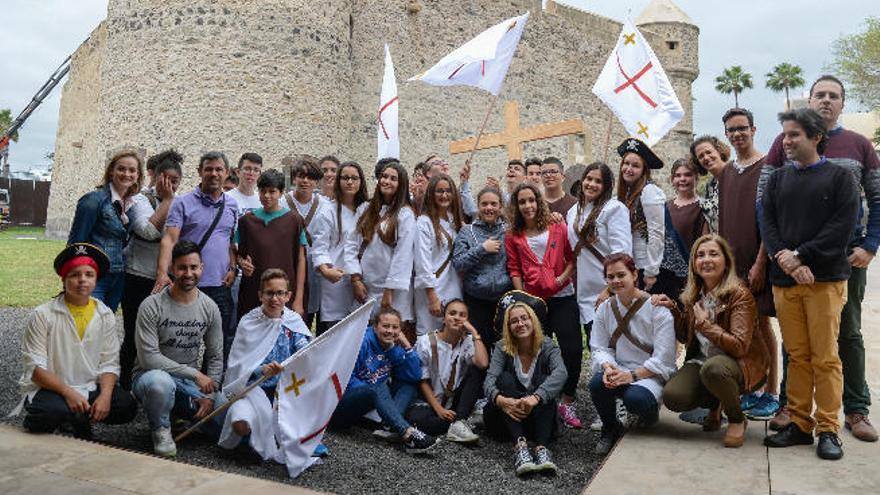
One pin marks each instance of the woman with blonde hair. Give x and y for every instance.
(524, 380)
(102, 219)
(727, 353)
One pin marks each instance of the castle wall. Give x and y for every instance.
(78, 154)
(283, 77)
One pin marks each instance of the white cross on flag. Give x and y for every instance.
(312, 384)
(636, 89)
(389, 104)
(481, 62)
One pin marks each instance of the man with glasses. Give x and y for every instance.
(738, 224)
(552, 178)
(855, 153)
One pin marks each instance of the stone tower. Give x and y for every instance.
(286, 77)
(677, 48)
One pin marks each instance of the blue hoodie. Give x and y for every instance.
(375, 364)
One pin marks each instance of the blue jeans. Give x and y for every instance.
(108, 290)
(390, 401)
(162, 395)
(636, 399)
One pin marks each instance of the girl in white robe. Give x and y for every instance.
(597, 227)
(379, 253)
(632, 349)
(645, 202)
(265, 337)
(332, 227)
(436, 281)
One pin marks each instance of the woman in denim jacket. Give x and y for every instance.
(479, 257)
(101, 219)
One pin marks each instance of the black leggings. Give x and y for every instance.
(563, 320)
(423, 417)
(136, 290)
(481, 314)
(539, 426)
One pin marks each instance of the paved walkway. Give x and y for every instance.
(53, 464)
(678, 458)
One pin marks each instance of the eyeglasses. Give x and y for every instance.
(734, 130)
(252, 170)
(547, 173)
(273, 294)
(349, 178)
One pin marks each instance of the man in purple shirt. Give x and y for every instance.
(855, 153)
(208, 218)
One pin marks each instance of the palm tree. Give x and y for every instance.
(783, 77)
(733, 80)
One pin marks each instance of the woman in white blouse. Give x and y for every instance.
(645, 203)
(332, 227)
(379, 253)
(597, 226)
(633, 352)
(436, 281)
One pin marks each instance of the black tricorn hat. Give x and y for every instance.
(633, 145)
(83, 249)
(516, 296)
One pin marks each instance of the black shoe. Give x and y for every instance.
(830, 447)
(419, 442)
(788, 436)
(608, 439)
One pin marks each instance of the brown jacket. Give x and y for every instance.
(735, 331)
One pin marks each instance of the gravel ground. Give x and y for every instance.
(357, 463)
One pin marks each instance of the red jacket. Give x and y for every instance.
(539, 277)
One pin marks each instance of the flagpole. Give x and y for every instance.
(492, 99)
(608, 135)
(221, 408)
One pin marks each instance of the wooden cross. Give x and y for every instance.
(513, 136)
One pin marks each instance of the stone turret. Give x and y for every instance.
(676, 43)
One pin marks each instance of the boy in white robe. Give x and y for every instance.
(70, 352)
(266, 336)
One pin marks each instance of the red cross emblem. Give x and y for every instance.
(631, 81)
(382, 109)
(338, 387)
(462, 66)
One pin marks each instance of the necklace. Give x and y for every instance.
(741, 167)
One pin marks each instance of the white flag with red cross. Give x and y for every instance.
(389, 104)
(636, 89)
(312, 384)
(481, 62)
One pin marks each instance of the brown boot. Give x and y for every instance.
(861, 427)
(712, 422)
(734, 440)
(781, 420)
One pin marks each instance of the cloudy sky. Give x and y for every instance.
(756, 34)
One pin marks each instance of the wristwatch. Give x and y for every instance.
(635, 378)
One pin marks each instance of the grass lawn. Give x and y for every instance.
(27, 277)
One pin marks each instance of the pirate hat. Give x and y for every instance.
(633, 145)
(79, 249)
(518, 296)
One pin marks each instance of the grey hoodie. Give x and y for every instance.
(484, 275)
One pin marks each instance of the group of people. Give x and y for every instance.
(217, 288)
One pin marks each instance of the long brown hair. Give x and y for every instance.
(431, 210)
(729, 280)
(370, 221)
(587, 234)
(631, 195)
(359, 197)
(138, 155)
(542, 215)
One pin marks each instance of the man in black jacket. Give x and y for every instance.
(809, 212)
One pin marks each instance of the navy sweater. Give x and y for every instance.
(812, 210)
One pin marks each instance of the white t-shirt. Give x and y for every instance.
(245, 203)
(462, 354)
(538, 245)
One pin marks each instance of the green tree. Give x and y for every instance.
(856, 60)
(5, 122)
(733, 80)
(784, 77)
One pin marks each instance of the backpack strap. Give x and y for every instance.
(449, 386)
(309, 216)
(448, 257)
(623, 325)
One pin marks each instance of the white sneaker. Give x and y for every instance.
(460, 432)
(622, 416)
(596, 425)
(163, 443)
(385, 433)
(476, 418)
